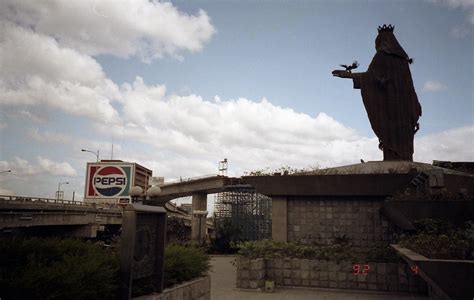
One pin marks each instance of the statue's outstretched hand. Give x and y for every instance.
(342, 74)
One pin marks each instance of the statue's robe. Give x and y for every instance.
(391, 104)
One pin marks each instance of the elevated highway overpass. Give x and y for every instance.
(85, 219)
(198, 188)
(190, 187)
(74, 217)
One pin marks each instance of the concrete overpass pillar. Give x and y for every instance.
(279, 219)
(198, 227)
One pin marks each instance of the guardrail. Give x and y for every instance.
(193, 178)
(45, 200)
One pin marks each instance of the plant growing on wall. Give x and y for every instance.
(284, 170)
(440, 239)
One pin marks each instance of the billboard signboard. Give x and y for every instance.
(108, 180)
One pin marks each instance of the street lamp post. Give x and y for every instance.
(59, 188)
(95, 153)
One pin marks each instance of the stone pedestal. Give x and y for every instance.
(142, 247)
(350, 202)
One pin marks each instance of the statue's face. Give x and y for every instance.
(387, 42)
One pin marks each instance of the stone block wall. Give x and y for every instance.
(388, 277)
(323, 219)
(198, 289)
(250, 273)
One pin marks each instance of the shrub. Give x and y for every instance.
(433, 226)
(382, 253)
(183, 263)
(269, 249)
(336, 252)
(441, 240)
(226, 234)
(437, 246)
(57, 269)
(176, 230)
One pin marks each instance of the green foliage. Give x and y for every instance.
(441, 240)
(183, 263)
(269, 249)
(57, 269)
(382, 253)
(339, 251)
(284, 170)
(226, 233)
(176, 230)
(433, 227)
(467, 231)
(437, 246)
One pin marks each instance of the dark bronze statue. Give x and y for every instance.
(389, 96)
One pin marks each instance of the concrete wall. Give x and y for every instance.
(392, 277)
(198, 221)
(279, 219)
(322, 219)
(199, 289)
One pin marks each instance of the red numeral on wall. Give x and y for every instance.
(359, 270)
(356, 269)
(366, 270)
(414, 269)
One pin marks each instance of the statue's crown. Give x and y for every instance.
(385, 28)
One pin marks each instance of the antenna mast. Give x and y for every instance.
(223, 167)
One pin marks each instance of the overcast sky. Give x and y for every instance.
(178, 86)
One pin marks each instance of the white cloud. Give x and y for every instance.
(22, 167)
(55, 168)
(36, 71)
(143, 28)
(48, 137)
(434, 86)
(189, 134)
(47, 49)
(452, 145)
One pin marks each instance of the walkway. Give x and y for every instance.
(223, 287)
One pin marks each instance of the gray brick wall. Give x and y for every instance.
(250, 273)
(388, 277)
(198, 289)
(322, 219)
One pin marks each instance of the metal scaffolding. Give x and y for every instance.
(246, 210)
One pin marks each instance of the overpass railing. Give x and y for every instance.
(45, 200)
(193, 178)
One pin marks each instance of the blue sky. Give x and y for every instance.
(178, 86)
(285, 51)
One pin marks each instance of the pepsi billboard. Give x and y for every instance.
(108, 180)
